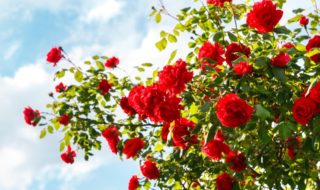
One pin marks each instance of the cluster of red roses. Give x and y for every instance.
(161, 101)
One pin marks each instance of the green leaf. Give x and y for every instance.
(232, 37)
(50, 129)
(147, 64)
(158, 17)
(172, 38)
(172, 56)
(62, 146)
(206, 106)
(162, 44)
(297, 11)
(282, 30)
(100, 65)
(95, 57)
(263, 135)
(211, 133)
(43, 133)
(78, 76)
(262, 112)
(217, 36)
(300, 47)
(279, 74)
(60, 74)
(285, 129)
(313, 52)
(262, 62)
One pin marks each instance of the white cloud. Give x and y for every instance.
(102, 12)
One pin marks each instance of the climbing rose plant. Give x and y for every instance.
(240, 111)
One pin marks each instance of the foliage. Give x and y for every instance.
(268, 88)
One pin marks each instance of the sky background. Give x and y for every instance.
(29, 28)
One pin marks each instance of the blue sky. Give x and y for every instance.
(29, 28)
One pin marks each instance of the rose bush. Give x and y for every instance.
(240, 111)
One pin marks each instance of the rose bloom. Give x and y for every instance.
(111, 134)
(31, 116)
(236, 160)
(281, 60)
(104, 86)
(112, 62)
(314, 43)
(68, 156)
(149, 170)
(133, 183)
(152, 102)
(264, 16)
(60, 87)
(215, 147)
(315, 93)
(181, 133)
(210, 53)
(303, 110)
(64, 119)
(288, 45)
(242, 68)
(304, 21)
(165, 131)
(224, 182)
(54, 55)
(293, 144)
(219, 3)
(132, 147)
(232, 111)
(234, 48)
(174, 77)
(124, 104)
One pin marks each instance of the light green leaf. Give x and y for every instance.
(78, 76)
(43, 133)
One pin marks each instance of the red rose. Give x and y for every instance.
(210, 55)
(111, 134)
(132, 147)
(124, 104)
(168, 110)
(314, 43)
(264, 16)
(303, 110)
(54, 55)
(165, 131)
(174, 77)
(112, 62)
(133, 183)
(60, 87)
(154, 103)
(64, 119)
(236, 160)
(224, 182)
(150, 170)
(234, 48)
(281, 60)
(68, 156)
(104, 87)
(288, 45)
(293, 144)
(31, 117)
(181, 133)
(242, 68)
(315, 93)
(232, 111)
(215, 147)
(304, 21)
(219, 3)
